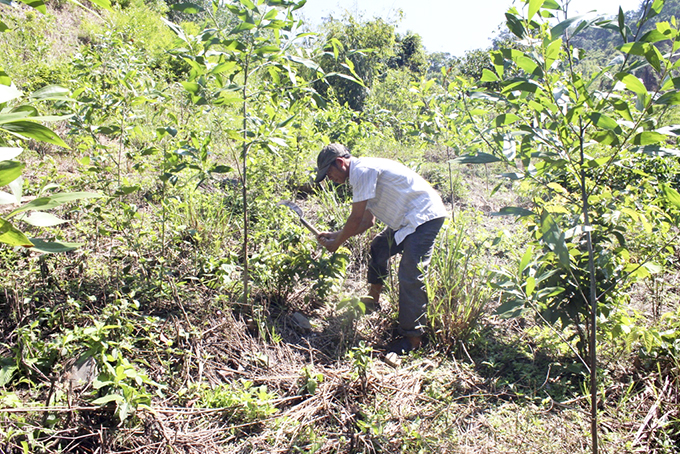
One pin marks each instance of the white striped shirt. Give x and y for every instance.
(396, 195)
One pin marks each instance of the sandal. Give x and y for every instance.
(369, 305)
(400, 346)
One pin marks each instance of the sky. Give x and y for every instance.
(453, 26)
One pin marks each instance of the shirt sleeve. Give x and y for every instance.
(364, 183)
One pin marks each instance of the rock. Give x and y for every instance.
(301, 322)
(82, 373)
(392, 359)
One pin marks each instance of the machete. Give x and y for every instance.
(298, 211)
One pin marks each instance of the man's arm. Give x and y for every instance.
(359, 220)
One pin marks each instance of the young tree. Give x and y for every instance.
(589, 161)
(362, 48)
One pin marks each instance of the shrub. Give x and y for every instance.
(455, 284)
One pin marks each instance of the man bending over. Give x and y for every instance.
(413, 213)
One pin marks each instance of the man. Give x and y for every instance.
(413, 213)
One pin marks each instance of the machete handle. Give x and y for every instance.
(309, 226)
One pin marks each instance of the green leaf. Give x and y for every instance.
(534, 6)
(36, 4)
(4, 78)
(15, 115)
(606, 137)
(10, 171)
(248, 4)
(34, 131)
(622, 24)
(557, 188)
(552, 52)
(485, 96)
(511, 308)
(654, 57)
(479, 158)
(271, 14)
(654, 36)
(187, 8)
(106, 4)
(653, 268)
(126, 190)
(242, 27)
(221, 169)
(347, 77)
(488, 76)
(53, 247)
(6, 373)
(671, 82)
(554, 238)
(498, 62)
(52, 93)
(267, 49)
(648, 138)
(191, 87)
(559, 29)
(513, 176)
(657, 5)
(108, 398)
(595, 163)
(513, 211)
(39, 219)
(47, 203)
(672, 196)
(8, 93)
(287, 121)
(226, 66)
(636, 48)
(632, 83)
(531, 285)
(669, 99)
(12, 236)
(505, 119)
(305, 62)
(3, 28)
(605, 122)
(528, 65)
(516, 25)
(525, 85)
(319, 101)
(622, 109)
(526, 259)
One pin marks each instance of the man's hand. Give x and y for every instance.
(329, 240)
(360, 219)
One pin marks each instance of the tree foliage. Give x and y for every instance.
(361, 47)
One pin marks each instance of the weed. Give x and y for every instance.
(361, 359)
(243, 402)
(456, 285)
(310, 380)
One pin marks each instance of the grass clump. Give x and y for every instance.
(456, 284)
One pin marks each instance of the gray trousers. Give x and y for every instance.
(416, 251)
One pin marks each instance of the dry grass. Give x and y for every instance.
(432, 403)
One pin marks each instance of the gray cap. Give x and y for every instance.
(327, 157)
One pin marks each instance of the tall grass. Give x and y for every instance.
(456, 284)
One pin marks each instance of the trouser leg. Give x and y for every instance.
(383, 247)
(416, 254)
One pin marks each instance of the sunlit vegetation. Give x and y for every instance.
(157, 297)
